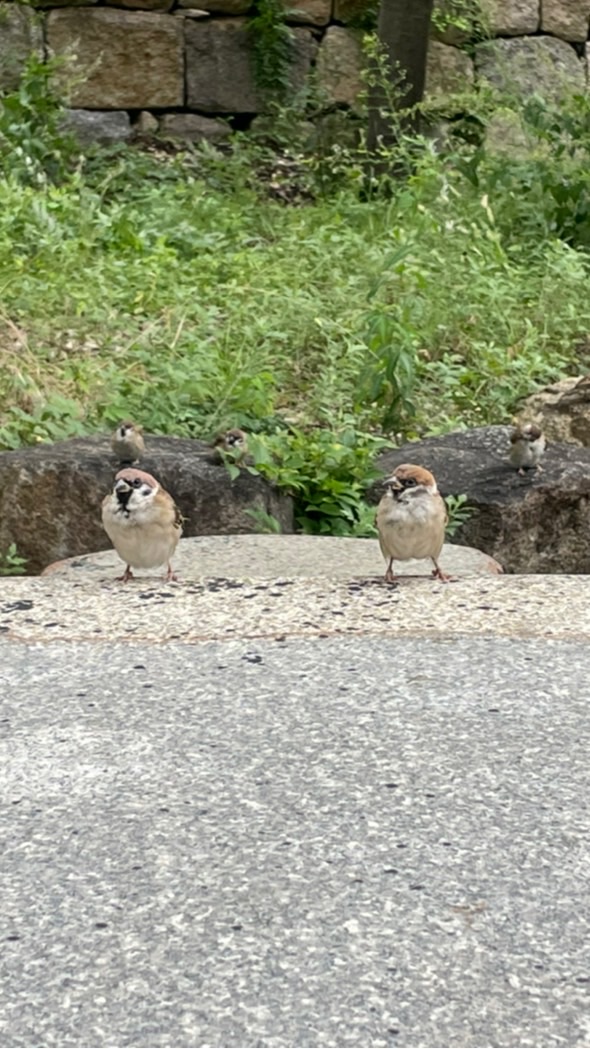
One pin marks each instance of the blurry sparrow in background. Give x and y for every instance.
(127, 442)
(233, 443)
(527, 446)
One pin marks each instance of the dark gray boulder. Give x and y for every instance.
(539, 523)
(92, 127)
(51, 495)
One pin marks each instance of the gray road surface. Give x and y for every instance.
(292, 843)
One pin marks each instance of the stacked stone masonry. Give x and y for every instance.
(175, 67)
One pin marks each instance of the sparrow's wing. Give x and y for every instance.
(178, 518)
(381, 536)
(384, 550)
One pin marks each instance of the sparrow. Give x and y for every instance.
(527, 445)
(142, 521)
(233, 443)
(127, 442)
(411, 519)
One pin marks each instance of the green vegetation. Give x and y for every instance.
(327, 472)
(462, 19)
(459, 512)
(272, 46)
(33, 146)
(182, 290)
(11, 563)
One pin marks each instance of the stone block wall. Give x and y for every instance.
(173, 67)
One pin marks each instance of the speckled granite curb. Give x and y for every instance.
(507, 606)
(289, 586)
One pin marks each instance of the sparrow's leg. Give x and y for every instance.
(439, 574)
(539, 468)
(170, 575)
(389, 576)
(127, 575)
(522, 472)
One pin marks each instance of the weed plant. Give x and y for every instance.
(11, 563)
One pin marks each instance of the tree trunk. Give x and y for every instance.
(403, 29)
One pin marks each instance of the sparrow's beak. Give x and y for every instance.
(122, 491)
(393, 484)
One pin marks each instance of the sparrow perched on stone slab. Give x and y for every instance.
(527, 446)
(411, 519)
(127, 442)
(142, 521)
(233, 443)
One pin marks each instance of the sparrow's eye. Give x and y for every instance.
(409, 482)
(136, 482)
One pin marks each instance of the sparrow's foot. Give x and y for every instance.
(127, 575)
(389, 576)
(539, 468)
(437, 573)
(522, 472)
(171, 576)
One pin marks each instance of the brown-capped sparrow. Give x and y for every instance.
(411, 519)
(233, 443)
(142, 521)
(127, 442)
(527, 445)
